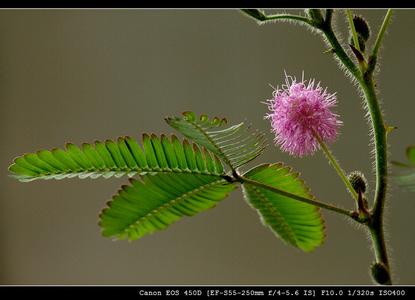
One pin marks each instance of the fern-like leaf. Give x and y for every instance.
(297, 223)
(117, 158)
(155, 201)
(235, 145)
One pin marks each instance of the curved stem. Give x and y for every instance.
(366, 83)
(336, 209)
(263, 18)
(287, 17)
(336, 166)
(379, 130)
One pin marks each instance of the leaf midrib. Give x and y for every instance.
(123, 170)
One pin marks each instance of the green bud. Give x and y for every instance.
(358, 181)
(380, 273)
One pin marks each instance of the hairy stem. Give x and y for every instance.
(353, 29)
(381, 33)
(379, 131)
(261, 17)
(366, 83)
(339, 51)
(287, 17)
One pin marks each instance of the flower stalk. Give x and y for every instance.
(333, 161)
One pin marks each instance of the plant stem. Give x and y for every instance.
(339, 51)
(379, 130)
(336, 166)
(287, 17)
(366, 83)
(263, 18)
(336, 209)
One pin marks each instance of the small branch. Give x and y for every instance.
(353, 29)
(287, 17)
(381, 33)
(336, 209)
(263, 18)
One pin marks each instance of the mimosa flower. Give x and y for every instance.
(299, 112)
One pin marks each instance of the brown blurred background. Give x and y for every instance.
(81, 75)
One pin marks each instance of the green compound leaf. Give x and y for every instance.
(297, 223)
(117, 158)
(235, 145)
(155, 201)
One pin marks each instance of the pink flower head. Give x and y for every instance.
(299, 111)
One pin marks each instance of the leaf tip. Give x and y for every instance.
(69, 145)
(121, 139)
(145, 136)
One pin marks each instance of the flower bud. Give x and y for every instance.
(362, 30)
(358, 181)
(362, 27)
(380, 273)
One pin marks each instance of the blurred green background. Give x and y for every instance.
(82, 75)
